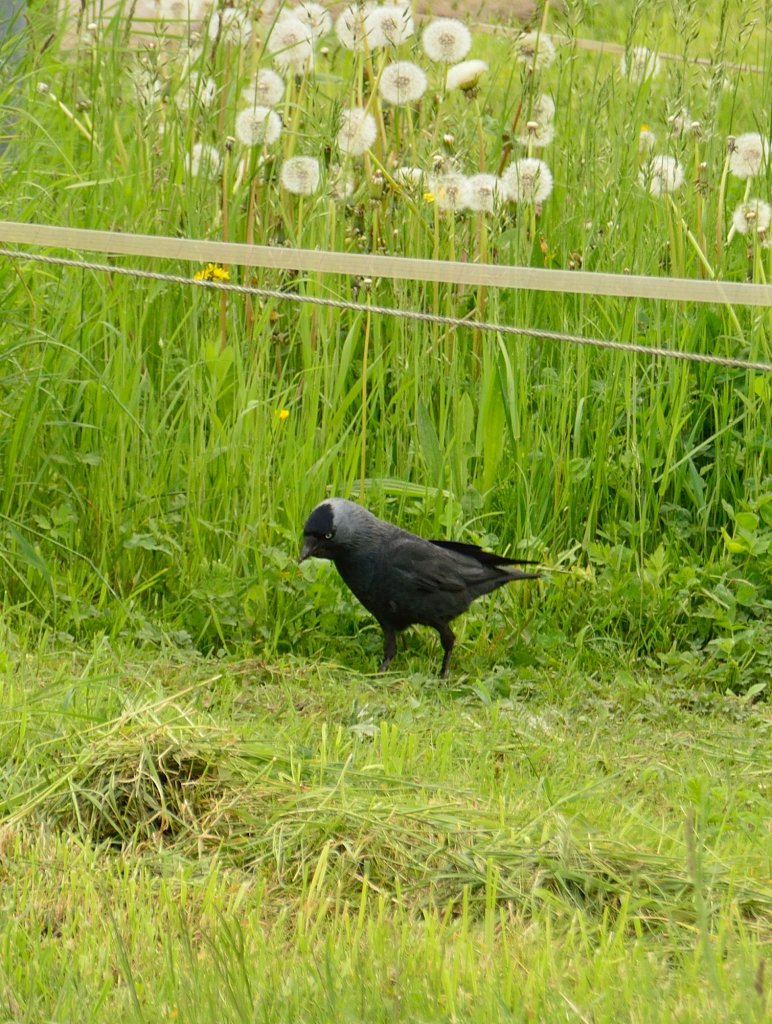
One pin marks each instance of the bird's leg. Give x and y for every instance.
(447, 639)
(389, 646)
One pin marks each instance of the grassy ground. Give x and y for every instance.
(245, 841)
(210, 809)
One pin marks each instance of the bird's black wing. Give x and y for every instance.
(483, 557)
(419, 566)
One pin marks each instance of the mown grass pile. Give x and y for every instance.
(261, 840)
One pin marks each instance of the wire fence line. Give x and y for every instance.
(282, 295)
(489, 275)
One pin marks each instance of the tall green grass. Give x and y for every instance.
(151, 486)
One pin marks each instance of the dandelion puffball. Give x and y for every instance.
(230, 26)
(402, 82)
(450, 191)
(542, 109)
(484, 190)
(535, 50)
(147, 86)
(258, 126)
(340, 184)
(203, 157)
(358, 131)
(394, 22)
(679, 122)
(410, 176)
(527, 181)
(291, 44)
(536, 134)
(661, 175)
(754, 215)
(640, 64)
(446, 40)
(300, 175)
(198, 89)
(181, 10)
(317, 18)
(358, 28)
(747, 155)
(266, 90)
(466, 75)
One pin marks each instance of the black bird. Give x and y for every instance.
(401, 578)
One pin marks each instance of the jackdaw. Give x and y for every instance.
(401, 578)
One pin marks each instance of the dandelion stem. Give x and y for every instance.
(363, 447)
(506, 151)
(226, 238)
(480, 136)
(375, 107)
(699, 199)
(720, 212)
(250, 238)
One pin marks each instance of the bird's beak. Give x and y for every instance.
(309, 547)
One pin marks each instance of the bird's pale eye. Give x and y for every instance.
(328, 536)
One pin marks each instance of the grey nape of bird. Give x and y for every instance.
(403, 579)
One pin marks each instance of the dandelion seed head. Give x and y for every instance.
(203, 159)
(748, 154)
(197, 90)
(755, 215)
(527, 181)
(402, 82)
(341, 184)
(358, 131)
(446, 40)
(663, 174)
(450, 191)
(300, 175)
(484, 191)
(182, 10)
(230, 26)
(466, 75)
(679, 122)
(266, 90)
(640, 64)
(291, 44)
(317, 18)
(147, 86)
(409, 176)
(358, 27)
(535, 50)
(258, 126)
(536, 134)
(543, 109)
(394, 22)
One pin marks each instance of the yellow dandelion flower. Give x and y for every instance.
(284, 414)
(212, 272)
(428, 197)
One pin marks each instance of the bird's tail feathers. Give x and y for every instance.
(517, 574)
(484, 557)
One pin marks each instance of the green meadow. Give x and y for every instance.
(213, 808)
